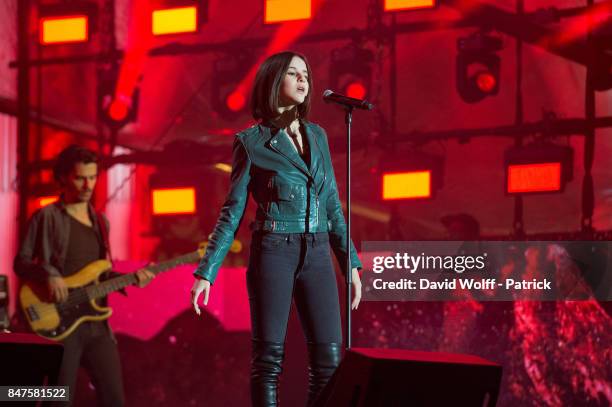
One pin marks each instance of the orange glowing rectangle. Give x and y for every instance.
(393, 5)
(175, 20)
(46, 200)
(277, 11)
(174, 201)
(407, 185)
(66, 29)
(543, 177)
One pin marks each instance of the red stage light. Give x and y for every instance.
(118, 110)
(406, 185)
(175, 20)
(486, 81)
(173, 201)
(356, 90)
(278, 11)
(64, 29)
(394, 5)
(543, 177)
(235, 101)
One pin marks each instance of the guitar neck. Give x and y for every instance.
(117, 283)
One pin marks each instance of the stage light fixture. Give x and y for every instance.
(114, 108)
(278, 11)
(235, 101)
(56, 30)
(171, 192)
(351, 71)
(173, 201)
(175, 20)
(66, 23)
(538, 168)
(478, 66)
(417, 175)
(228, 99)
(397, 5)
(177, 205)
(356, 90)
(406, 185)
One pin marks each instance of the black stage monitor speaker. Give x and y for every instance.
(28, 360)
(395, 377)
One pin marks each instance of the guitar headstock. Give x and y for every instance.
(202, 248)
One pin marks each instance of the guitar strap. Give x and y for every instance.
(104, 233)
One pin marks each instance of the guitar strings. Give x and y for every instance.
(76, 296)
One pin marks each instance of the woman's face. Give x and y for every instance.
(294, 88)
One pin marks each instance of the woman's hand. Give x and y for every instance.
(356, 289)
(199, 285)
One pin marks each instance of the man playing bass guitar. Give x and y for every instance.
(62, 238)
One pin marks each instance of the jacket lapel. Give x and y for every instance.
(311, 145)
(281, 144)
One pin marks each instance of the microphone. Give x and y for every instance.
(330, 96)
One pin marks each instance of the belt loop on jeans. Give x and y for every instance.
(289, 238)
(314, 239)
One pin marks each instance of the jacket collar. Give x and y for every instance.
(279, 142)
(61, 205)
(95, 220)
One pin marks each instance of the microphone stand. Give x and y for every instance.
(349, 273)
(349, 104)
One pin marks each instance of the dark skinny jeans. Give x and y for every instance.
(283, 266)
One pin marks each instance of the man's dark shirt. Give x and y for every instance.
(84, 247)
(44, 248)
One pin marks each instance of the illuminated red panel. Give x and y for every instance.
(175, 20)
(407, 185)
(66, 29)
(173, 201)
(393, 5)
(543, 177)
(46, 200)
(277, 11)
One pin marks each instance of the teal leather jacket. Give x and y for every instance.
(290, 197)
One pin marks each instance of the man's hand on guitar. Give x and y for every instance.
(199, 285)
(144, 277)
(58, 290)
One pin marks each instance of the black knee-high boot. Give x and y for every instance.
(266, 367)
(323, 359)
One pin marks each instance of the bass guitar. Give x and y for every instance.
(56, 321)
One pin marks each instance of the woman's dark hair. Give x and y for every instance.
(265, 95)
(70, 156)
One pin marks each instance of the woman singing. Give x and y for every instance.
(285, 163)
